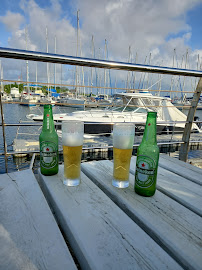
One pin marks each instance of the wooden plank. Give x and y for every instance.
(181, 168)
(182, 190)
(29, 236)
(100, 233)
(172, 226)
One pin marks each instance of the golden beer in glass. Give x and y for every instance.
(72, 141)
(123, 140)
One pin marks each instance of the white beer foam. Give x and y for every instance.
(72, 139)
(123, 141)
(123, 135)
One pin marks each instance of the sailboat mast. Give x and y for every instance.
(36, 76)
(105, 68)
(135, 72)
(55, 65)
(128, 74)
(47, 63)
(171, 87)
(27, 62)
(140, 81)
(148, 75)
(92, 68)
(185, 68)
(77, 51)
(83, 90)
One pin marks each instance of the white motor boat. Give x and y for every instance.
(134, 109)
(29, 99)
(47, 99)
(73, 102)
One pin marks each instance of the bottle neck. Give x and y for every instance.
(48, 123)
(150, 129)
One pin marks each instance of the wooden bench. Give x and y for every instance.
(109, 228)
(180, 188)
(29, 235)
(175, 228)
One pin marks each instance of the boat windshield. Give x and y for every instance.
(130, 109)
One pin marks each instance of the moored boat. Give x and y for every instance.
(134, 109)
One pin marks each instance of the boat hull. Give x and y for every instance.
(28, 104)
(107, 128)
(97, 128)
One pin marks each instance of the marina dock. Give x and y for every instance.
(102, 145)
(47, 225)
(102, 227)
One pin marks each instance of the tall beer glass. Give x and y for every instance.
(123, 139)
(72, 141)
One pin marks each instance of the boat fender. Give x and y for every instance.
(30, 116)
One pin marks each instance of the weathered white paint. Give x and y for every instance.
(29, 236)
(177, 187)
(174, 227)
(181, 168)
(100, 233)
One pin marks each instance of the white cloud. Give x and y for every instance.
(12, 20)
(143, 25)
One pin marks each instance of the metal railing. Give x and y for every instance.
(96, 63)
(70, 60)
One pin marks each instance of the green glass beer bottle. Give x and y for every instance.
(147, 159)
(48, 141)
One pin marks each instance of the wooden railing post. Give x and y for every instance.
(190, 118)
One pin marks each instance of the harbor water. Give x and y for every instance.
(14, 113)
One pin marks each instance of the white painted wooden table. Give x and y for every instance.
(110, 228)
(29, 235)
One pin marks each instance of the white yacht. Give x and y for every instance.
(134, 109)
(15, 94)
(47, 99)
(73, 102)
(29, 99)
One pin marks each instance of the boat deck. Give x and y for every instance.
(103, 227)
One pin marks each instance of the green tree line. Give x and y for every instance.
(44, 88)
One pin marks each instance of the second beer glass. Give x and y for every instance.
(123, 139)
(72, 141)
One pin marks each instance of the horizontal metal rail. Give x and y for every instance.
(94, 148)
(40, 123)
(96, 63)
(91, 86)
(184, 106)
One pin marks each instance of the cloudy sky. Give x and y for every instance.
(159, 32)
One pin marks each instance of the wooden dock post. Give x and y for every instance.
(190, 118)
